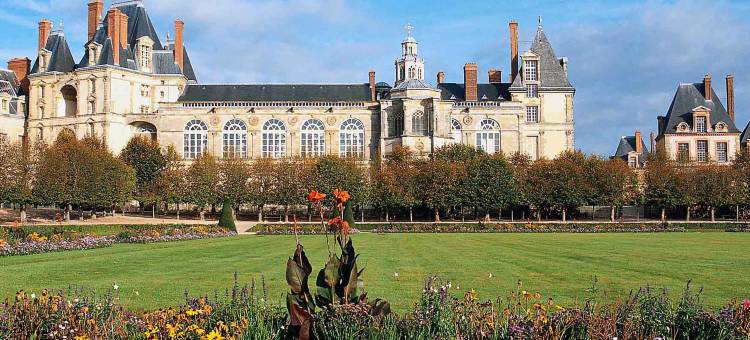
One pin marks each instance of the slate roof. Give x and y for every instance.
(745, 136)
(413, 84)
(61, 60)
(551, 73)
(9, 82)
(485, 92)
(627, 145)
(687, 98)
(291, 92)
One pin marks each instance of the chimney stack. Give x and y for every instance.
(707, 87)
(21, 66)
(513, 50)
(495, 76)
(113, 31)
(470, 82)
(45, 28)
(372, 85)
(95, 12)
(123, 30)
(441, 77)
(179, 29)
(730, 96)
(638, 142)
(653, 143)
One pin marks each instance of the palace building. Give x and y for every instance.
(129, 82)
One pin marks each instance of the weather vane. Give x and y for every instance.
(409, 28)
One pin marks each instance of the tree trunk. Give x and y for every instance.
(153, 211)
(23, 213)
(260, 213)
(565, 217)
(487, 217)
(178, 211)
(80, 213)
(93, 214)
(362, 214)
(203, 213)
(687, 218)
(411, 215)
(67, 212)
(437, 215)
(500, 215)
(593, 212)
(512, 216)
(612, 213)
(286, 213)
(713, 214)
(663, 214)
(387, 218)
(737, 213)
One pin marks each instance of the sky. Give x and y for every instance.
(626, 58)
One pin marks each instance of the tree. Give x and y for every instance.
(261, 184)
(291, 180)
(202, 179)
(227, 216)
(438, 181)
(18, 164)
(234, 176)
(171, 184)
(144, 155)
(715, 186)
(561, 184)
(614, 183)
(664, 184)
(489, 183)
(395, 182)
(332, 172)
(520, 164)
(456, 153)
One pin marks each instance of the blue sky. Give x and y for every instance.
(626, 57)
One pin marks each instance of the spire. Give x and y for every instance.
(540, 23)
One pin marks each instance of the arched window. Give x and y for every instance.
(396, 124)
(313, 138)
(352, 138)
(234, 139)
(195, 139)
(69, 106)
(456, 131)
(488, 140)
(274, 139)
(411, 73)
(419, 123)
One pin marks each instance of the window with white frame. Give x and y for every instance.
(313, 138)
(702, 150)
(145, 57)
(531, 71)
(234, 139)
(633, 162)
(721, 152)
(274, 139)
(488, 140)
(532, 114)
(419, 123)
(683, 152)
(700, 124)
(352, 138)
(195, 139)
(5, 105)
(532, 91)
(456, 132)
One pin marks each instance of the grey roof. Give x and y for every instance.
(164, 63)
(61, 60)
(689, 97)
(745, 136)
(627, 145)
(413, 84)
(291, 92)
(551, 73)
(9, 82)
(485, 92)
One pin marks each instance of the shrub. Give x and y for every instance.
(227, 216)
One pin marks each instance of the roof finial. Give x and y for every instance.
(540, 22)
(61, 25)
(409, 28)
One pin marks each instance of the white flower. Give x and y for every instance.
(33, 296)
(395, 274)
(137, 293)
(490, 276)
(115, 286)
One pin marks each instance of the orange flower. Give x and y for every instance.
(341, 196)
(334, 221)
(345, 228)
(315, 197)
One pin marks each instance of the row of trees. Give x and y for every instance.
(84, 174)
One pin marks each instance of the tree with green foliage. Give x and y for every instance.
(561, 184)
(437, 181)
(18, 165)
(456, 153)
(715, 186)
(144, 155)
(613, 182)
(489, 183)
(202, 180)
(291, 180)
(234, 176)
(395, 182)
(261, 184)
(665, 186)
(331, 172)
(520, 163)
(171, 183)
(227, 216)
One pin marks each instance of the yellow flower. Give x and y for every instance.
(214, 335)
(81, 337)
(191, 312)
(172, 330)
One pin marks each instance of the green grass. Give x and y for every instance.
(558, 265)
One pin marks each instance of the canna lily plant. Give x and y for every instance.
(339, 282)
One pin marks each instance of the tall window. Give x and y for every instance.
(721, 152)
(274, 139)
(532, 114)
(352, 138)
(419, 123)
(195, 139)
(700, 124)
(488, 140)
(702, 146)
(532, 91)
(396, 124)
(456, 131)
(234, 139)
(313, 138)
(683, 152)
(145, 57)
(633, 162)
(531, 70)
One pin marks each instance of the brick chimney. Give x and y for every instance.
(495, 76)
(730, 96)
(21, 66)
(95, 12)
(707, 87)
(372, 85)
(179, 30)
(470, 82)
(653, 142)
(441, 77)
(123, 30)
(638, 142)
(513, 50)
(45, 28)
(113, 31)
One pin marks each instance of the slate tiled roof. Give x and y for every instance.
(292, 92)
(9, 82)
(414, 84)
(689, 97)
(61, 60)
(485, 92)
(627, 145)
(551, 73)
(745, 136)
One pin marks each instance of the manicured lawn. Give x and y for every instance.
(557, 265)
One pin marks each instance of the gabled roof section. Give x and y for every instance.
(551, 73)
(413, 84)
(485, 92)
(9, 83)
(745, 136)
(270, 93)
(627, 145)
(686, 99)
(61, 60)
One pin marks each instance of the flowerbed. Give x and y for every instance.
(61, 239)
(440, 313)
(288, 229)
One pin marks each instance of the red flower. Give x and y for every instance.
(746, 304)
(341, 196)
(315, 197)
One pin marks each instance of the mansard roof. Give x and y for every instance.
(745, 136)
(627, 145)
(485, 92)
(9, 83)
(61, 60)
(551, 73)
(686, 99)
(266, 93)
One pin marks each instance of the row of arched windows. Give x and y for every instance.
(488, 139)
(274, 138)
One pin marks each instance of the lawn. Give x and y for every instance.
(561, 266)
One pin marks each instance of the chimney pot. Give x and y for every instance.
(513, 50)
(45, 28)
(495, 76)
(730, 96)
(441, 77)
(470, 82)
(707, 87)
(372, 85)
(21, 67)
(95, 12)
(638, 142)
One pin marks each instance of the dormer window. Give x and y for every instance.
(700, 124)
(633, 162)
(144, 53)
(683, 127)
(721, 127)
(531, 70)
(94, 53)
(532, 91)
